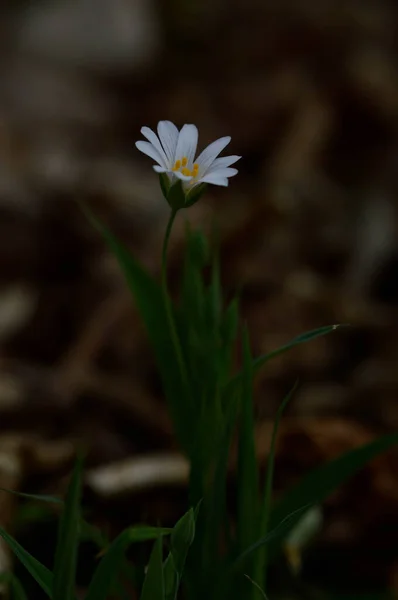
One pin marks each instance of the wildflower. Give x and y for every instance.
(174, 152)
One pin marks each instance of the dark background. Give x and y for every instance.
(309, 93)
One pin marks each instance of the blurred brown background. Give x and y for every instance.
(309, 93)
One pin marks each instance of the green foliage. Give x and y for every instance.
(181, 540)
(315, 487)
(14, 586)
(148, 299)
(153, 588)
(68, 540)
(113, 560)
(248, 505)
(261, 561)
(219, 549)
(39, 572)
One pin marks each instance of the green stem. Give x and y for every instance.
(169, 307)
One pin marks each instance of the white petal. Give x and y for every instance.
(153, 138)
(149, 150)
(224, 161)
(209, 154)
(214, 179)
(227, 172)
(186, 144)
(159, 169)
(181, 176)
(168, 135)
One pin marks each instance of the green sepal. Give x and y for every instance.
(164, 184)
(176, 196)
(194, 194)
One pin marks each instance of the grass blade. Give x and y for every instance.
(276, 533)
(303, 338)
(39, 497)
(260, 361)
(68, 540)
(247, 460)
(261, 558)
(181, 539)
(18, 591)
(149, 302)
(258, 588)
(153, 588)
(39, 572)
(319, 483)
(112, 561)
(13, 585)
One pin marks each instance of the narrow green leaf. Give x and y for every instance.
(14, 586)
(149, 302)
(39, 572)
(257, 586)
(112, 561)
(216, 522)
(143, 533)
(315, 487)
(68, 540)
(17, 589)
(276, 533)
(182, 537)
(238, 564)
(196, 511)
(261, 559)
(39, 497)
(153, 588)
(300, 339)
(92, 533)
(247, 517)
(171, 578)
(260, 361)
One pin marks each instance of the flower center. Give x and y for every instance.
(181, 165)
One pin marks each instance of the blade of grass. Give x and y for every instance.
(258, 588)
(261, 559)
(181, 539)
(171, 578)
(233, 567)
(153, 588)
(247, 461)
(112, 561)
(216, 521)
(149, 301)
(276, 533)
(39, 497)
(17, 589)
(260, 361)
(68, 539)
(319, 483)
(39, 572)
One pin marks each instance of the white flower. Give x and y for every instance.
(174, 152)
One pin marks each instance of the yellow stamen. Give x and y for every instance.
(184, 161)
(186, 172)
(195, 167)
(177, 165)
